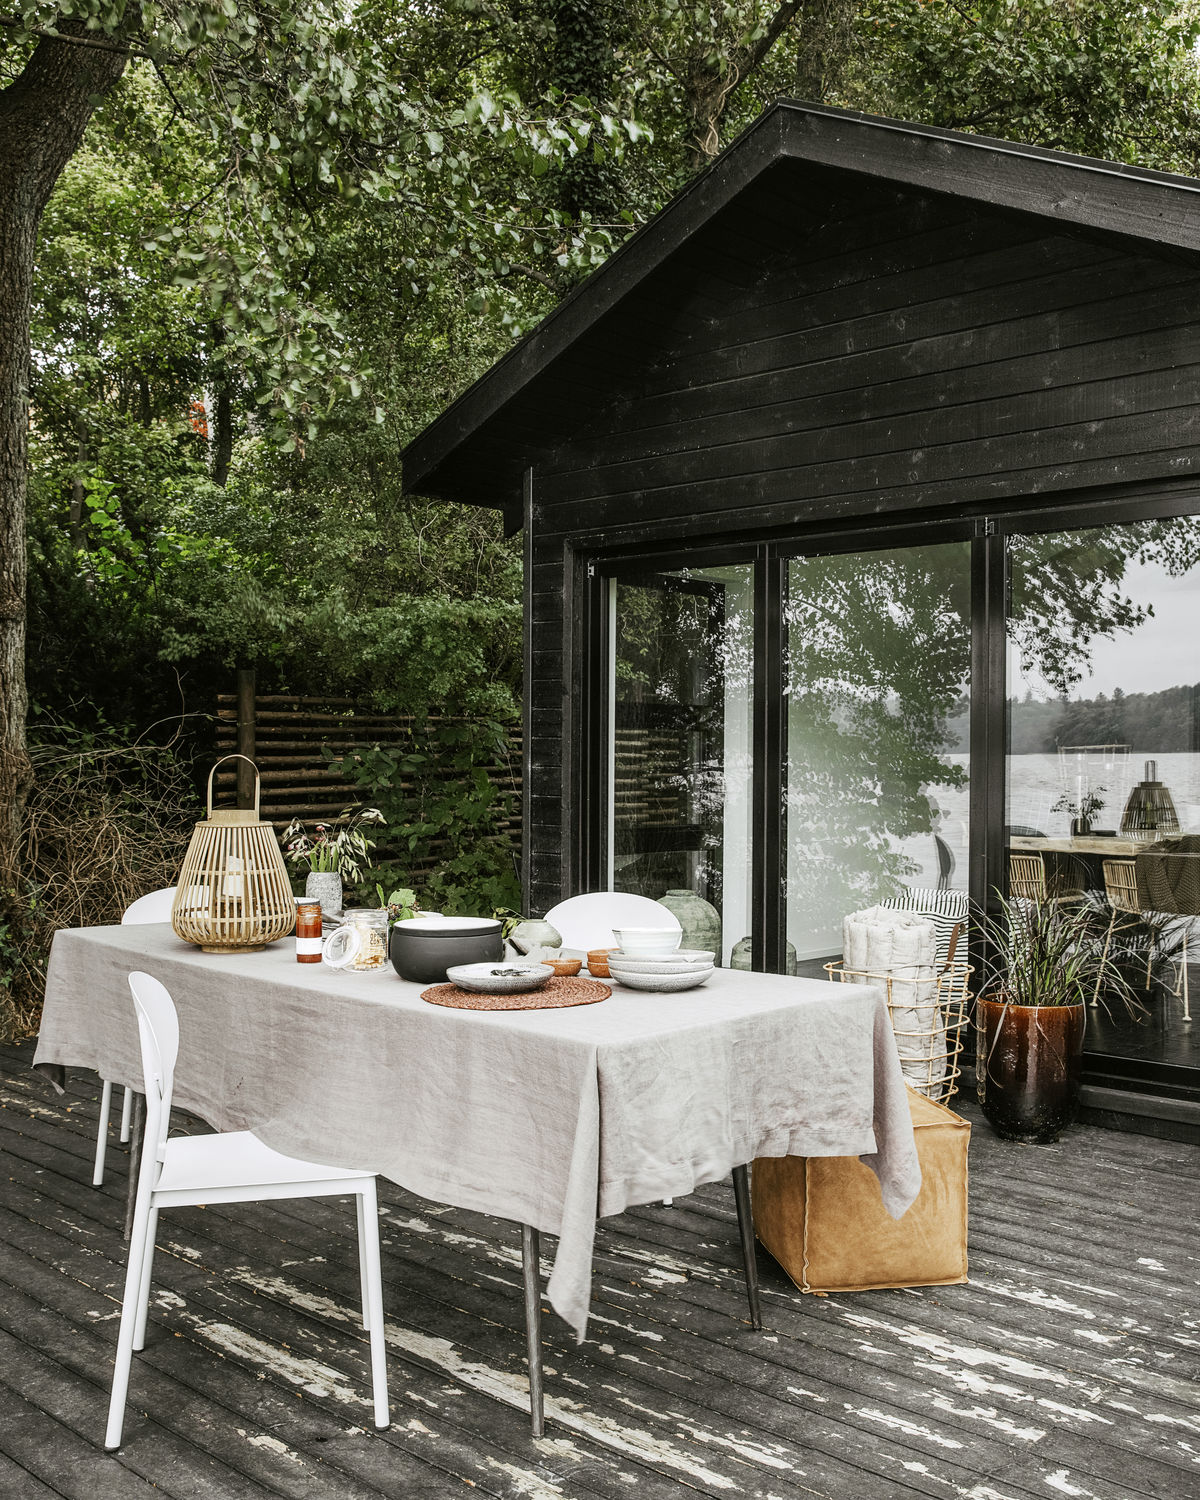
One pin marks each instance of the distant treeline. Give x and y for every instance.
(1149, 723)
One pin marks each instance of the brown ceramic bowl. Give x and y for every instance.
(564, 967)
(597, 962)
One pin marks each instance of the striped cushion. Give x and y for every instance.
(945, 909)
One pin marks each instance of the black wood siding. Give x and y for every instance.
(845, 357)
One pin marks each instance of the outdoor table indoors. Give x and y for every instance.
(551, 1118)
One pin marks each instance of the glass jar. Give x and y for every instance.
(308, 930)
(360, 944)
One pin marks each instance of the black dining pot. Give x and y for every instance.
(425, 947)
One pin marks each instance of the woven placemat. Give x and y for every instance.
(559, 992)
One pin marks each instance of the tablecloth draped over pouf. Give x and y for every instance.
(550, 1118)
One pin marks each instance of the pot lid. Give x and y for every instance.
(444, 926)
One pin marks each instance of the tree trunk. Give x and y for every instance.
(43, 114)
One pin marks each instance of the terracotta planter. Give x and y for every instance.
(1028, 1068)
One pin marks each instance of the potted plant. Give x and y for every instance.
(1048, 962)
(1082, 808)
(333, 852)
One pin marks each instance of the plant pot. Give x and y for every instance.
(326, 886)
(1081, 828)
(1029, 1066)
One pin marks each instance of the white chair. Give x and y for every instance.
(587, 922)
(155, 907)
(231, 1167)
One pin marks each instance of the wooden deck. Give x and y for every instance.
(1067, 1367)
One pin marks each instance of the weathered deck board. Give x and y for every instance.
(1067, 1366)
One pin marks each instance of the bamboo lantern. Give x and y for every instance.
(234, 894)
(1150, 811)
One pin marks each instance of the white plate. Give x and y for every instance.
(665, 984)
(682, 958)
(499, 978)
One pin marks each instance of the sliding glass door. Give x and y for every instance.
(1103, 762)
(680, 760)
(877, 685)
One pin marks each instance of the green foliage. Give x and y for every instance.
(439, 800)
(1109, 78)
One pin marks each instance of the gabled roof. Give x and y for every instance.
(476, 450)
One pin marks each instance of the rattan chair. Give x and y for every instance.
(1027, 878)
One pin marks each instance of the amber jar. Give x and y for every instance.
(308, 930)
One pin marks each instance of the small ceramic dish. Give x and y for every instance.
(665, 982)
(597, 961)
(564, 967)
(500, 978)
(646, 942)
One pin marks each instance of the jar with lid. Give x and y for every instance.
(360, 944)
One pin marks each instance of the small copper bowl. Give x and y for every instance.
(597, 962)
(564, 968)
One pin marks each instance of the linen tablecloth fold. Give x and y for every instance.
(548, 1118)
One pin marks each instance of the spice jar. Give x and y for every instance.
(308, 930)
(361, 943)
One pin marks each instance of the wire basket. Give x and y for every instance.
(927, 1015)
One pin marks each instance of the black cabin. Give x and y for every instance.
(860, 494)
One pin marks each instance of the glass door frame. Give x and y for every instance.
(988, 528)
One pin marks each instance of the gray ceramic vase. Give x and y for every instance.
(742, 956)
(700, 920)
(326, 886)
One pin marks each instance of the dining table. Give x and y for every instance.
(554, 1118)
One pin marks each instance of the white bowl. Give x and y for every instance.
(647, 942)
(664, 982)
(499, 978)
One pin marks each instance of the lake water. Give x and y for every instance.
(1035, 782)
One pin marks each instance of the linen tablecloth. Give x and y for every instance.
(551, 1118)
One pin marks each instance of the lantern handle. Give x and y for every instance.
(221, 762)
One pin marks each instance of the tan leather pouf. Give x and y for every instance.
(823, 1219)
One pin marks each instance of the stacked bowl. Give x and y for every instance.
(650, 958)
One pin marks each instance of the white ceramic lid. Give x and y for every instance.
(433, 925)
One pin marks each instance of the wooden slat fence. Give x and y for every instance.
(285, 734)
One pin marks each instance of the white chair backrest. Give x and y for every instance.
(154, 907)
(158, 1028)
(588, 921)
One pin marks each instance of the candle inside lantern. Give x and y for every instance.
(235, 881)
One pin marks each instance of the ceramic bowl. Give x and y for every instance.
(564, 967)
(647, 942)
(686, 960)
(501, 978)
(664, 982)
(597, 961)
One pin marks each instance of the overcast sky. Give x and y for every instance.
(1164, 652)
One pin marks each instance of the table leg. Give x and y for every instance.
(530, 1265)
(741, 1196)
(137, 1131)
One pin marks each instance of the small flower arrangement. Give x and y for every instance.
(340, 847)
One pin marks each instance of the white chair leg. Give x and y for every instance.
(129, 1313)
(102, 1133)
(143, 1308)
(362, 1261)
(369, 1239)
(126, 1114)
(1187, 1009)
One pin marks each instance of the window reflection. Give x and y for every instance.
(681, 692)
(878, 734)
(1103, 794)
